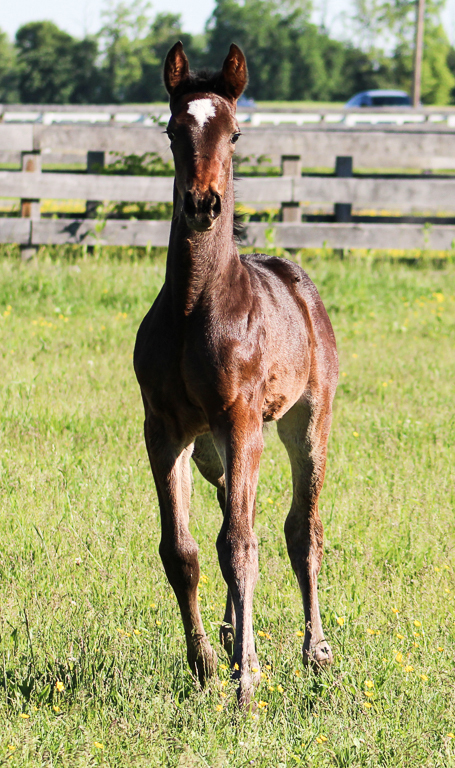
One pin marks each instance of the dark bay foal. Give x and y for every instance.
(230, 342)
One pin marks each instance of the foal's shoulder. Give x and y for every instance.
(287, 271)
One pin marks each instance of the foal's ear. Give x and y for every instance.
(234, 72)
(176, 68)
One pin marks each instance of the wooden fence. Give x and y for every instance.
(385, 169)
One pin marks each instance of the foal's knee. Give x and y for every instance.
(181, 563)
(238, 556)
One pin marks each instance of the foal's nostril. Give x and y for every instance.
(189, 206)
(216, 204)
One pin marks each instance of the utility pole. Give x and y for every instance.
(418, 50)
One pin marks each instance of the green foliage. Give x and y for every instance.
(437, 79)
(122, 44)
(9, 93)
(148, 164)
(85, 602)
(396, 19)
(289, 58)
(54, 68)
(134, 48)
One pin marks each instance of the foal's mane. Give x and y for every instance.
(202, 81)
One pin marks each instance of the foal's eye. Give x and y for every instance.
(235, 137)
(170, 133)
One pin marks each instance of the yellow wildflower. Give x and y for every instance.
(236, 666)
(219, 707)
(300, 633)
(262, 704)
(24, 715)
(408, 668)
(98, 745)
(369, 684)
(340, 620)
(417, 623)
(399, 658)
(280, 688)
(355, 434)
(424, 678)
(261, 633)
(55, 708)
(223, 666)
(367, 704)
(59, 685)
(400, 637)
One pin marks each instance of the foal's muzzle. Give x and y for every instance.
(201, 210)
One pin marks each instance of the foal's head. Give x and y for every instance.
(203, 130)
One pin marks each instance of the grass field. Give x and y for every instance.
(93, 667)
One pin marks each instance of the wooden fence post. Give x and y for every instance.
(343, 169)
(291, 166)
(95, 163)
(30, 208)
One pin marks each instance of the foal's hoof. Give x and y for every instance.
(318, 656)
(248, 680)
(203, 661)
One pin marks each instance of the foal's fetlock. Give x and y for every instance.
(318, 656)
(202, 660)
(248, 678)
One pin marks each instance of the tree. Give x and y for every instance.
(163, 32)
(44, 54)
(437, 78)
(122, 47)
(8, 71)
(55, 68)
(393, 22)
(289, 58)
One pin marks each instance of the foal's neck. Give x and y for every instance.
(199, 263)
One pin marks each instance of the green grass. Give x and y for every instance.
(83, 594)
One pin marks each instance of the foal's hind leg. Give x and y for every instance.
(304, 431)
(170, 462)
(209, 464)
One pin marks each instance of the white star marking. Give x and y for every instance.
(201, 109)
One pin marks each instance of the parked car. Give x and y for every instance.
(380, 98)
(245, 101)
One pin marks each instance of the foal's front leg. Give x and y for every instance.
(178, 550)
(241, 448)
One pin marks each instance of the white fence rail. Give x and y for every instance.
(149, 114)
